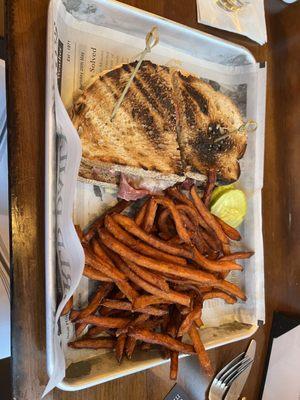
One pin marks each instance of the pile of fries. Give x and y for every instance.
(155, 270)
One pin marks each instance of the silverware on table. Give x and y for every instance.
(229, 382)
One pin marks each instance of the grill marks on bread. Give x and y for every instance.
(168, 119)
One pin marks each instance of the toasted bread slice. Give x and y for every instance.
(143, 134)
(204, 116)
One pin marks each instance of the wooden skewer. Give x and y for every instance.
(152, 40)
(249, 126)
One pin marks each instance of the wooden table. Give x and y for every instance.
(281, 196)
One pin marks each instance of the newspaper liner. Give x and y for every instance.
(83, 50)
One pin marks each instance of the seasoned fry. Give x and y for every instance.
(137, 245)
(150, 215)
(152, 278)
(210, 184)
(139, 218)
(190, 318)
(95, 331)
(168, 203)
(198, 322)
(229, 288)
(201, 353)
(138, 321)
(172, 296)
(160, 339)
(218, 294)
(237, 256)
(98, 263)
(73, 314)
(67, 308)
(215, 266)
(145, 346)
(99, 343)
(148, 300)
(168, 268)
(174, 365)
(96, 275)
(125, 305)
(135, 230)
(100, 294)
(120, 346)
(232, 233)
(79, 328)
(92, 230)
(212, 241)
(192, 213)
(208, 217)
(105, 322)
(130, 346)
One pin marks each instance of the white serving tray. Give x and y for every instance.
(127, 19)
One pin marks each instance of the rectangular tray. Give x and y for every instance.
(208, 47)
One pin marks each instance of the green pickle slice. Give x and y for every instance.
(218, 191)
(230, 205)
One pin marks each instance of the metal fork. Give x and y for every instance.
(227, 375)
(232, 5)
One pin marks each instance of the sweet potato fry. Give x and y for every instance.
(174, 365)
(100, 265)
(105, 322)
(120, 346)
(79, 328)
(208, 217)
(215, 266)
(135, 230)
(125, 305)
(192, 213)
(174, 297)
(237, 256)
(232, 233)
(139, 218)
(198, 322)
(148, 300)
(130, 346)
(150, 215)
(145, 346)
(95, 331)
(152, 278)
(210, 184)
(201, 353)
(168, 203)
(92, 230)
(99, 343)
(96, 275)
(219, 294)
(73, 314)
(190, 318)
(229, 288)
(100, 294)
(67, 308)
(163, 267)
(212, 241)
(124, 237)
(160, 339)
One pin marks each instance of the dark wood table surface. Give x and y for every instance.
(26, 32)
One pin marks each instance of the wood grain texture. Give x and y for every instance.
(1, 18)
(26, 28)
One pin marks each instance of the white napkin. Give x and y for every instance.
(248, 21)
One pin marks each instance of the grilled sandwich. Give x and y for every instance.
(168, 124)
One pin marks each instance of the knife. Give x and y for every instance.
(237, 386)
